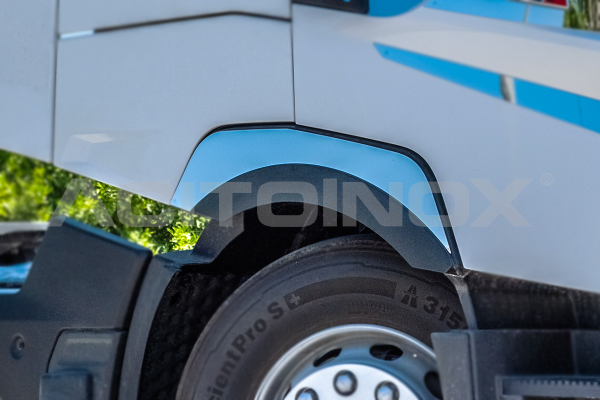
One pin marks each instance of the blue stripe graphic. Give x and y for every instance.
(590, 113)
(559, 104)
(508, 10)
(388, 8)
(548, 16)
(569, 107)
(499, 9)
(474, 78)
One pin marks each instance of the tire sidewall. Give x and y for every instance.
(340, 282)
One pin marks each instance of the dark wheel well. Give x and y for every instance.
(259, 245)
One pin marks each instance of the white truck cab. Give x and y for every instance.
(402, 197)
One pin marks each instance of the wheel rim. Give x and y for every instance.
(348, 362)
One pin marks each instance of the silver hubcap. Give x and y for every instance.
(362, 362)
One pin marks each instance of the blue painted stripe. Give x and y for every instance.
(590, 113)
(569, 107)
(559, 104)
(499, 9)
(225, 155)
(566, 106)
(548, 16)
(388, 8)
(508, 10)
(474, 78)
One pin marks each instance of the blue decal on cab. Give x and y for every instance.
(548, 16)
(590, 113)
(559, 104)
(474, 78)
(508, 10)
(569, 107)
(389, 8)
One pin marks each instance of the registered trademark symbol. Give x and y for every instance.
(547, 179)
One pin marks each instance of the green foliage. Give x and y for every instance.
(582, 14)
(31, 190)
(185, 236)
(575, 16)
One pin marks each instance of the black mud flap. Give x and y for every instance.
(62, 334)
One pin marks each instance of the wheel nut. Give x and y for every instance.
(387, 391)
(345, 383)
(307, 394)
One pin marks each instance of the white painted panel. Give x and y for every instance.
(27, 61)
(343, 84)
(83, 15)
(132, 105)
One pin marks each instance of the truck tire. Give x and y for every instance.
(354, 283)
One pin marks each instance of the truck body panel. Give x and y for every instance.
(342, 83)
(133, 104)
